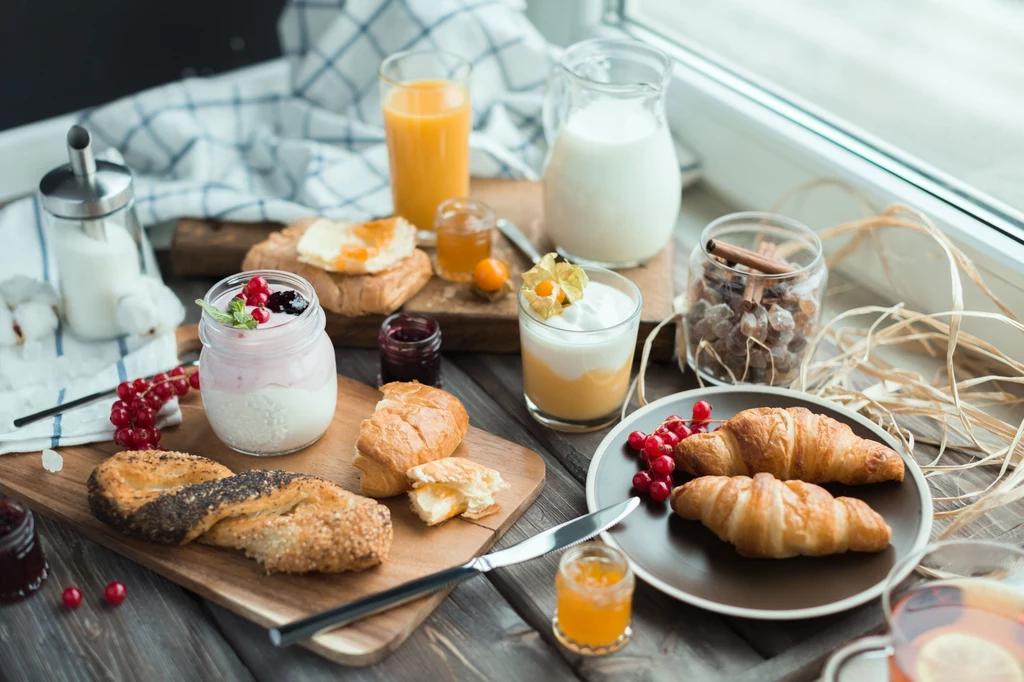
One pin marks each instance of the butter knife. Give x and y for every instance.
(518, 239)
(559, 537)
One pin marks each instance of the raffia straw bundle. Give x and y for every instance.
(954, 401)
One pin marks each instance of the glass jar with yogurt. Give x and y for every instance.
(576, 365)
(273, 389)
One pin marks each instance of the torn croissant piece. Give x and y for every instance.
(764, 517)
(791, 444)
(447, 487)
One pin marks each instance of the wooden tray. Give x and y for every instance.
(237, 583)
(467, 323)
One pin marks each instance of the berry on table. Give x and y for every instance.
(140, 437)
(670, 437)
(164, 390)
(145, 417)
(120, 417)
(125, 391)
(153, 401)
(642, 481)
(701, 412)
(261, 315)
(663, 465)
(159, 377)
(636, 440)
(682, 430)
(71, 597)
(123, 437)
(653, 444)
(115, 593)
(140, 385)
(659, 490)
(180, 386)
(177, 372)
(193, 380)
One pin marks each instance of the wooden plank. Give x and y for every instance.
(159, 633)
(211, 248)
(234, 581)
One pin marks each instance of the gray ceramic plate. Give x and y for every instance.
(684, 559)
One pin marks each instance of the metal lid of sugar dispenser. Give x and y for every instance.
(85, 188)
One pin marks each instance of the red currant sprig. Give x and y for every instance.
(139, 401)
(656, 449)
(256, 293)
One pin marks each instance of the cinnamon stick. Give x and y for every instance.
(742, 256)
(756, 284)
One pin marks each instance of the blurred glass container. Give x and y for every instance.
(746, 326)
(464, 231)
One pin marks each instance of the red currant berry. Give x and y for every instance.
(164, 391)
(659, 490)
(146, 417)
(718, 427)
(119, 405)
(115, 593)
(137, 405)
(675, 418)
(71, 597)
(261, 315)
(682, 430)
(259, 299)
(193, 380)
(701, 412)
(258, 285)
(642, 481)
(123, 437)
(120, 417)
(140, 385)
(154, 436)
(670, 437)
(177, 372)
(663, 465)
(652, 445)
(153, 401)
(125, 391)
(701, 428)
(159, 377)
(636, 440)
(180, 386)
(140, 437)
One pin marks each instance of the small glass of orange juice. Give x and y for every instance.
(464, 228)
(427, 120)
(594, 587)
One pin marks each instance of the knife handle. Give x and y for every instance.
(304, 628)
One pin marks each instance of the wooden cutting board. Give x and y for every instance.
(467, 323)
(228, 578)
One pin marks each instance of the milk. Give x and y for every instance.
(91, 272)
(612, 184)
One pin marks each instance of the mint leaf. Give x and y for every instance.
(214, 313)
(244, 320)
(236, 305)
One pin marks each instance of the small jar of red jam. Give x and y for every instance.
(410, 349)
(22, 565)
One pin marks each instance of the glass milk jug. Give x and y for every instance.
(96, 235)
(611, 179)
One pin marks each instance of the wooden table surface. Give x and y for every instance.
(493, 628)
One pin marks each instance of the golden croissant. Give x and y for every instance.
(768, 518)
(791, 444)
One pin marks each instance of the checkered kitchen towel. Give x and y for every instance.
(311, 142)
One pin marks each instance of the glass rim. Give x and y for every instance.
(632, 44)
(902, 570)
(23, 530)
(405, 54)
(524, 308)
(451, 207)
(428, 340)
(572, 553)
(776, 220)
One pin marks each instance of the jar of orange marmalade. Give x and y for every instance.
(594, 588)
(464, 229)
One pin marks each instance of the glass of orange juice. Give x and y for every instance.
(963, 621)
(464, 229)
(594, 588)
(427, 119)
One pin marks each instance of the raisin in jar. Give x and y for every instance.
(23, 568)
(745, 326)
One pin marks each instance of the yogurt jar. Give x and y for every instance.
(576, 365)
(271, 390)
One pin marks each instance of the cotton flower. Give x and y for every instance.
(148, 307)
(36, 320)
(19, 289)
(8, 337)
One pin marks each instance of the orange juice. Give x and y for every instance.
(427, 124)
(594, 588)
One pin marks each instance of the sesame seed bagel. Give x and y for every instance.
(289, 522)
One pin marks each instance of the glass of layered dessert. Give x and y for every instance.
(267, 369)
(577, 330)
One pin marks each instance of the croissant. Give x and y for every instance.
(768, 518)
(791, 443)
(290, 523)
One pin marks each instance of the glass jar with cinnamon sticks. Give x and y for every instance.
(754, 295)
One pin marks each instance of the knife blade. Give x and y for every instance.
(518, 239)
(559, 537)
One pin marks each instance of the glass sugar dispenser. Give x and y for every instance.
(754, 296)
(99, 243)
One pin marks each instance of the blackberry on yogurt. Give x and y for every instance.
(288, 301)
